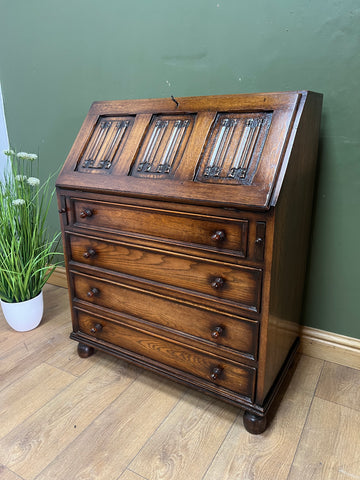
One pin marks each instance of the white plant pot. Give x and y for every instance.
(24, 316)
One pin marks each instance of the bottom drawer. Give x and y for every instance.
(213, 369)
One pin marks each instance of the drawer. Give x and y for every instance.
(232, 283)
(208, 326)
(218, 233)
(165, 353)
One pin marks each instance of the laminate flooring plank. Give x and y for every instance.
(340, 385)
(269, 455)
(129, 475)
(55, 316)
(185, 444)
(33, 444)
(330, 446)
(29, 393)
(66, 358)
(6, 474)
(28, 354)
(107, 446)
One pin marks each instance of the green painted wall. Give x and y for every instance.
(56, 57)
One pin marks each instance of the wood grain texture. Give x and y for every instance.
(241, 284)
(170, 355)
(165, 312)
(243, 177)
(29, 447)
(162, 223)
(58, 277)
(340, 385)
(283, 105)
(65, 357)
(244, 456)
(329, 447)
(25, 396)
(26, 355)
(129, 475)
(331, 347)
(159, 431)
(6, 474)
(103, 450)
(53, 307)
(184, 447)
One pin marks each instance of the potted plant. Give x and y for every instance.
(26, 248)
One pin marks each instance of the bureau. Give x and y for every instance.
(185, 224)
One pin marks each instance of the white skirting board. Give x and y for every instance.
(331, 347)
(314, 343)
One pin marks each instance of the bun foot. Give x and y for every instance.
(85, 351)
(254, 423)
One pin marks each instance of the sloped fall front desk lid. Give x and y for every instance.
(231, 149)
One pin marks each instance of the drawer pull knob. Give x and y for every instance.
(89, 253)
(218, 283)
(217, 332)
(218, 236)
(86, 212)
(96, 328)
(259, 241)
(93, 292)
(216, 372)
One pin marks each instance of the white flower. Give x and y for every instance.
(20, 177)
(18, 201)
(9, 152)
(27, 156)
(33, 181)
(22, 155)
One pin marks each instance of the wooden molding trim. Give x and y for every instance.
(314, 343)
(59, 277)
(330, 346)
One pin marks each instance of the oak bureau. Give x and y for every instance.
(185, 224)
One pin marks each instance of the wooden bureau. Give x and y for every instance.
(185, 225)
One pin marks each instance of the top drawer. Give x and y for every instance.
(218, 233)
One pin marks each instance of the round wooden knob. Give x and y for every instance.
(96, 328)
(218, 236)
(216, 372)
(218, 283)
(217, 332)
(90, 252)
(93, 292)
(86, 212)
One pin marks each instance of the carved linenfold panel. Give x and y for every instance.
(163, 145)
(106, 143)
(234, 147)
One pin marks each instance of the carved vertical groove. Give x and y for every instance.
(105, 143)
(161, 146)
(245, 148)
(216, 161)
(234, 147)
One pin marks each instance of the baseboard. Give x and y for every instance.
(58, 277)
(330, 346)
(314, 343)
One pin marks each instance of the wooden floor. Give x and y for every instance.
(66, 418)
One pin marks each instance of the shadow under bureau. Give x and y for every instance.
(185, 225)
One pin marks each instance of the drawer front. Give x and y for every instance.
(216, 233)
(213, 369)
(207, 325)
(240, 285)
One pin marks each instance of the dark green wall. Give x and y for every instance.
(56, 57)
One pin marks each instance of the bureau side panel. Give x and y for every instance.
(292, 220)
